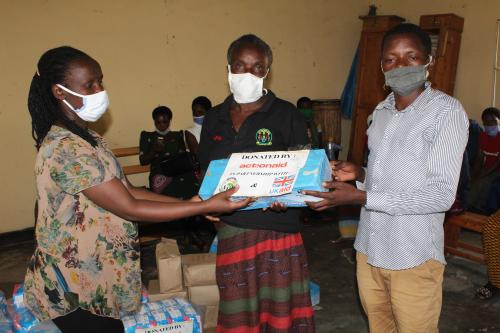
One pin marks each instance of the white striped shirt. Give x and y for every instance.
(411, 179)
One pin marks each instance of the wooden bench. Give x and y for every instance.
(453, 224)
(131, 169)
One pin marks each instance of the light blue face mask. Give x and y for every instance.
(492, 130)
(198, 120)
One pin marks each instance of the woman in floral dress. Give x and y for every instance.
(85, 269)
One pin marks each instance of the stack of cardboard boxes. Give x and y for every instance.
(189, 276)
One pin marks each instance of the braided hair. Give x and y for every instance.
(43, 106)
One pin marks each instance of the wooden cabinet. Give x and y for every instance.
(445, 31)
(370, 80)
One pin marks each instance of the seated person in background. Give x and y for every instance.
(304, 105)
(164, 148)
(486, 170)
(200, 106)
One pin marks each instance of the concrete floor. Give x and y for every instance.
(333, 267)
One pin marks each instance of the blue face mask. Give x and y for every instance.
(492, 130)
(198, 120)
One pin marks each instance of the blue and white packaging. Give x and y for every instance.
(5, 321)
(174, 315)
(314, 292)
(23, 321)
(276, 176)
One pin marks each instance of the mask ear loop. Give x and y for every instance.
(427, 65)
(265, 76)
(384, 87)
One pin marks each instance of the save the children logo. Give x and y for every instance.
(264, 137)
(228, 184)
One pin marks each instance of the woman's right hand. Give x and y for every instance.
(222, 203)
(345, 171)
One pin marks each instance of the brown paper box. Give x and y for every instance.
(168, 263)
(199, 269)
(204, 295)
(210, 316)
(155, 294)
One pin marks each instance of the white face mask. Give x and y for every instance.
(246, 88)
(163, 132)
(93, 106)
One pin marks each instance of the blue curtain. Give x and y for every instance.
(347, 98)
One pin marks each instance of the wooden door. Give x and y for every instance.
(370, 80)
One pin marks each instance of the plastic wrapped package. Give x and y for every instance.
(5, 321)
(23, 320)
(174, 315)
(276, 176)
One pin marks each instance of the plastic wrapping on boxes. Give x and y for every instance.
(5, 321)
(287, 183)
(198, 269)
(168, 262)
(314, 291)
(23, 321)
(174, 315)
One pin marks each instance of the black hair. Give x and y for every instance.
(43, 106)
(250, 39)
(203, 101)
(491, 111)
(410, 29)
(162, 111)
(303, 99)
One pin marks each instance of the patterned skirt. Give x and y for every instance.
(491, 236)
(263, 281)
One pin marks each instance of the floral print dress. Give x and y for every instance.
(86, 257)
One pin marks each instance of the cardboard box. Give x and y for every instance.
(198, 269)
(204, 295)
(281, 176)
(154, 293)
(168, 263)
(210, 315)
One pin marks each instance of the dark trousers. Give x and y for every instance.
(85, 322)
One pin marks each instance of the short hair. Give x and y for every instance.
(203, 101)
(303, 99)
(250, 39)
(162, 111)
(410, 29)
(491, 111)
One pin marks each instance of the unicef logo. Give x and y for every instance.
(228, 184)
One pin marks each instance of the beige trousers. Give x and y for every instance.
(401, 301)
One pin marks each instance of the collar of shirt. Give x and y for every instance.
(226, 105)
(390, 102)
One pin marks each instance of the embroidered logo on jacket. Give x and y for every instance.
(264, 137)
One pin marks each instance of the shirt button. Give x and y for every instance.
(377, 161)
(372, 234)
(385, 136)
